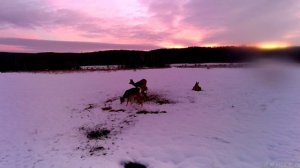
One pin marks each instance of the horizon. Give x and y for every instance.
(33, 26)
(262, 48)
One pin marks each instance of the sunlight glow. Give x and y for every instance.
(171, 45)
(210, 45)
(271, 46)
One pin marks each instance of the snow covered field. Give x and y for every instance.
(244, 118)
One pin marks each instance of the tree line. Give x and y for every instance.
(138, 59)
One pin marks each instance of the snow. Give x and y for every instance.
(244, 118)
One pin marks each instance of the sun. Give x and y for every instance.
(172, 45)
(272, 46)
(212, 45)
(176, 46)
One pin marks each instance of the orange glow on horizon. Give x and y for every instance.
(271, 46)
(172, 45)
(211, 45)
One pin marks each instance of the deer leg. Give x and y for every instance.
(145, 94)
(141, 104)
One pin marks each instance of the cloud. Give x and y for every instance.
(20, 13)
(226, 22)
(164, 23)
(31, 45)
(164, 11)
(32, 14)
(166, 18)
(244, 22)
(36, 15)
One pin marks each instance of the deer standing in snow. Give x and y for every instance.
(197, 87)
(133, 94)
(140, 84)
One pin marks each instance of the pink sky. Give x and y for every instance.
(54, 25)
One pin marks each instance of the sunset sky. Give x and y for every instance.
(90, 25)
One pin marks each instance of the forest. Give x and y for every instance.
(11, 62)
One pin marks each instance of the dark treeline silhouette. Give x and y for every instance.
(138, 59)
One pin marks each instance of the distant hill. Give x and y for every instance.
(137, 59)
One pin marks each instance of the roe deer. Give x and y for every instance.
(141, 84)
(133, 94)
(197, 87)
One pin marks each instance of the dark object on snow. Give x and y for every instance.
(118, 110)
(134, 165)
(89, 107)
(98, 134)
(106, 108)
(197, 87)
(150, 112)
(158, 99)
(98, 148)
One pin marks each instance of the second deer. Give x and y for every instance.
(197, 87)
(140, 84)
(133, 94)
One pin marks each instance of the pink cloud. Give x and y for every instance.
(13, 48)
(164, 23)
